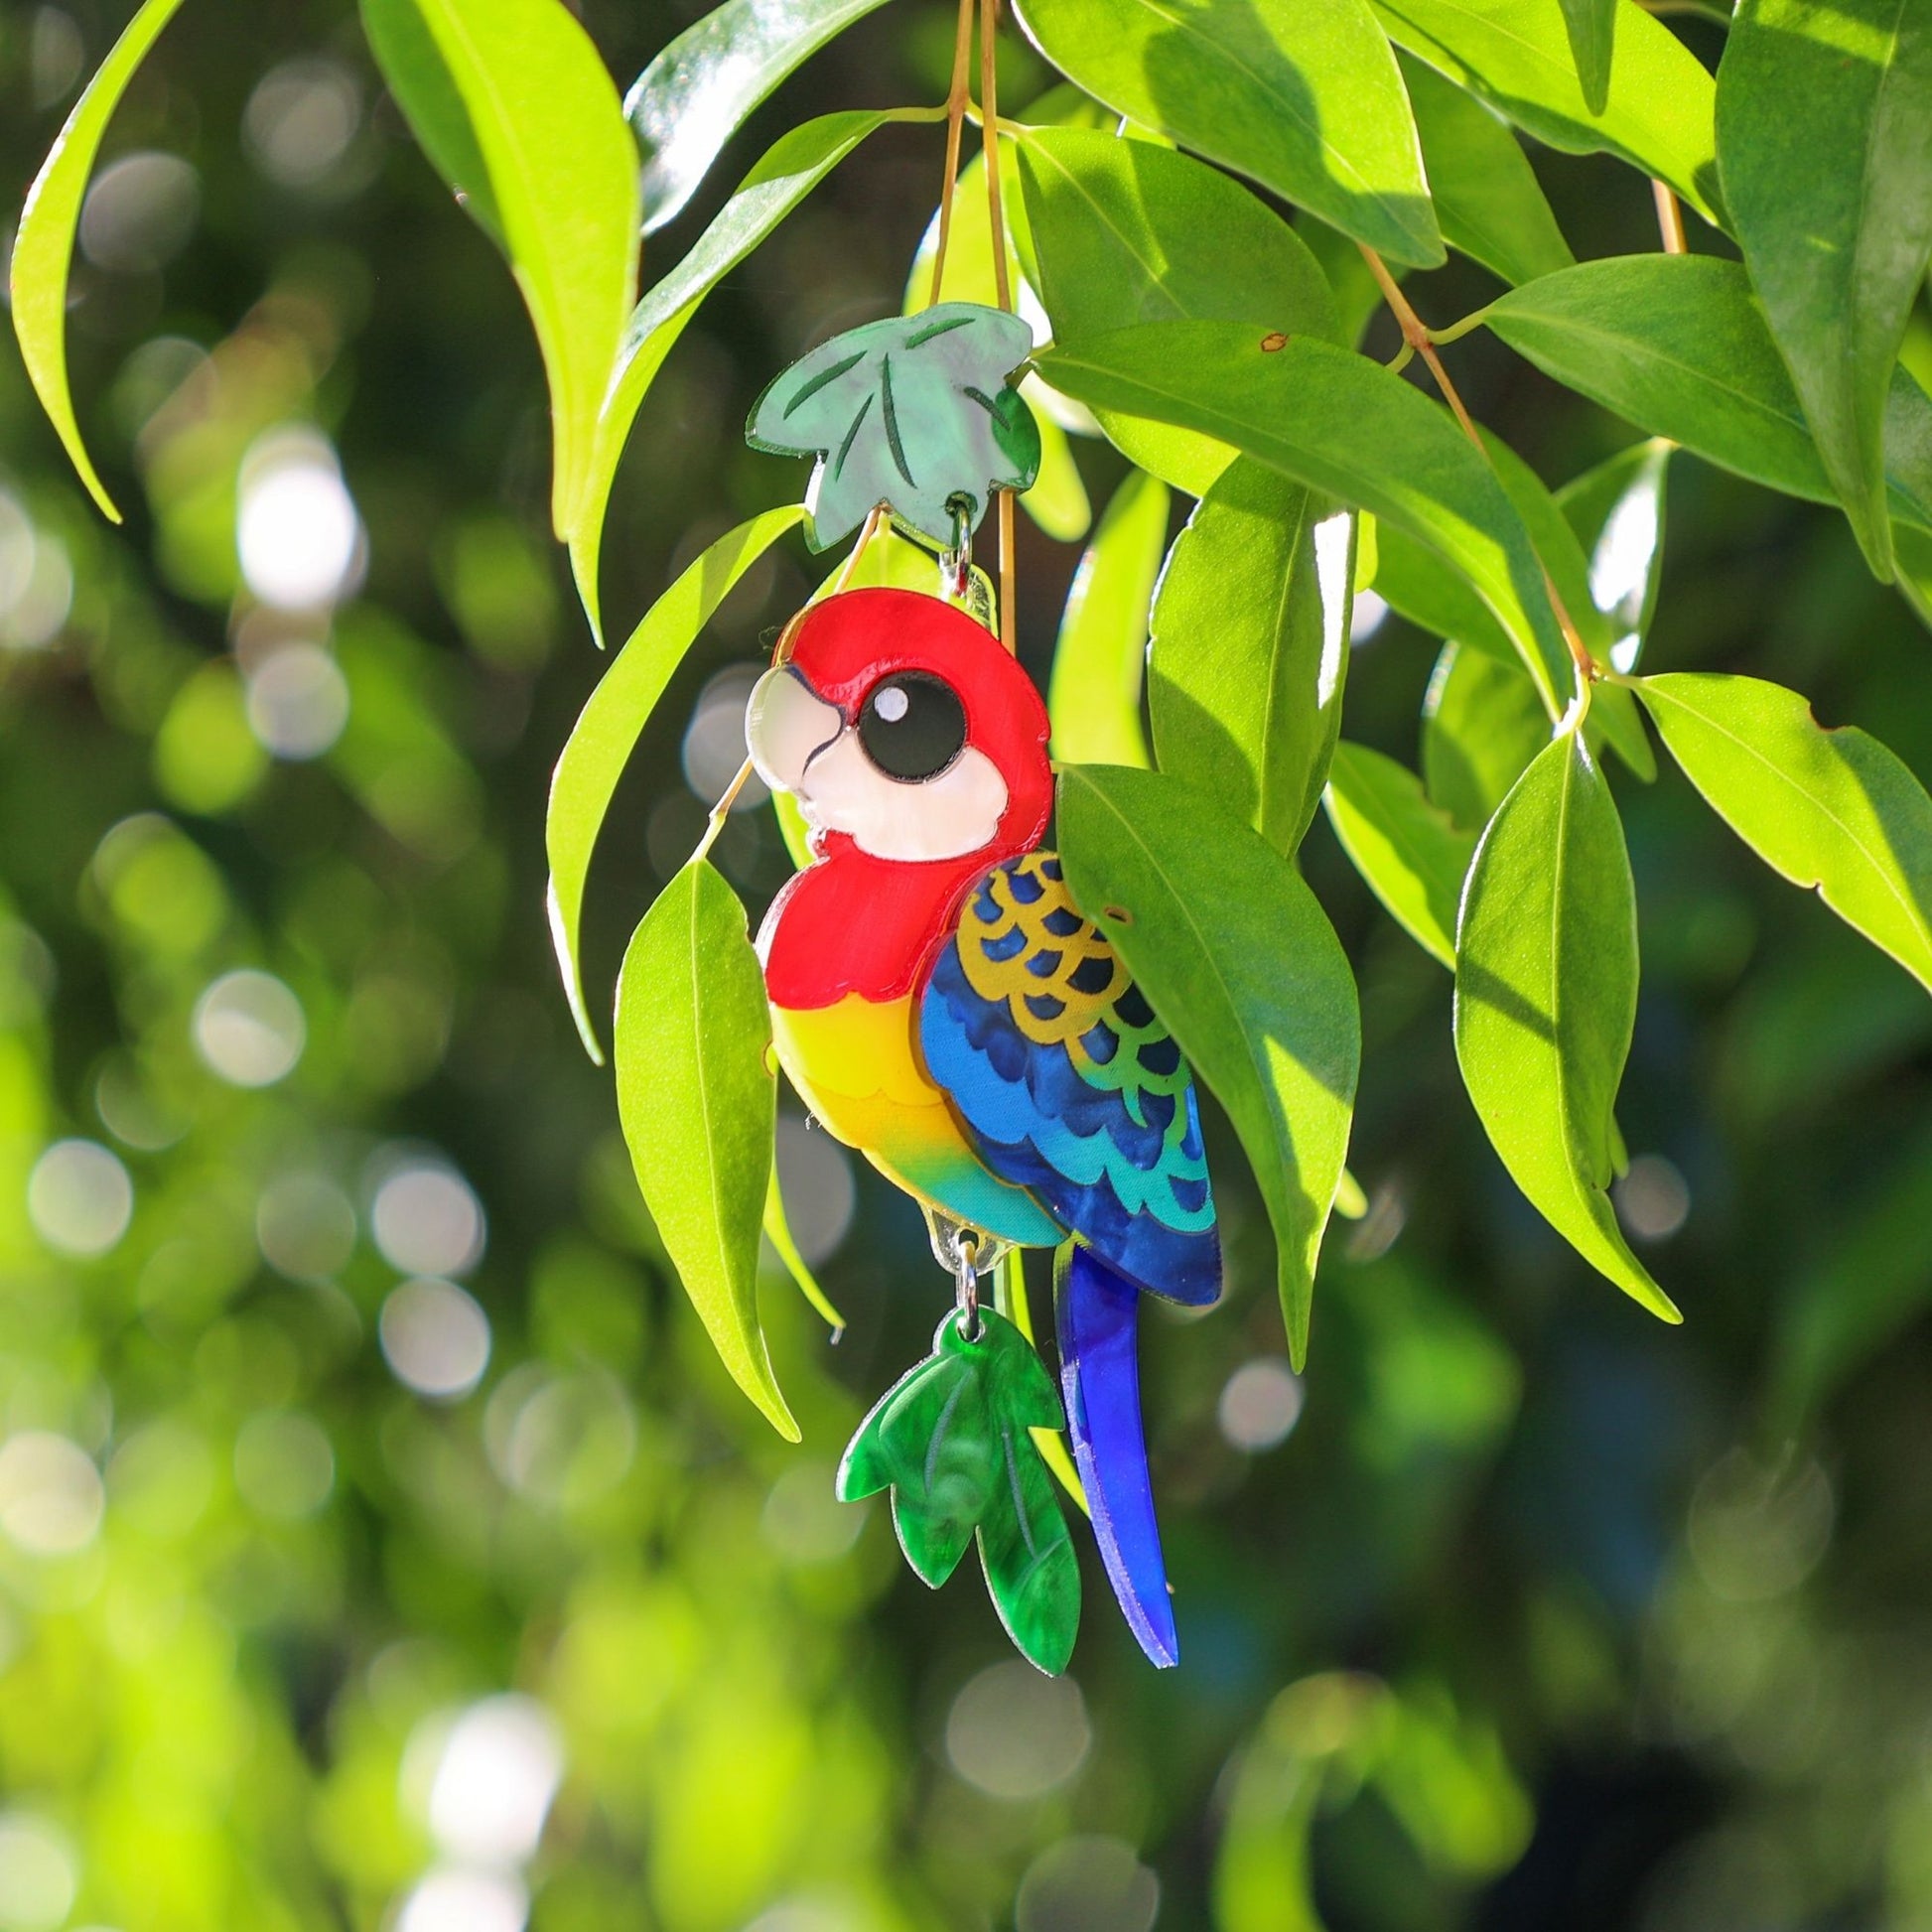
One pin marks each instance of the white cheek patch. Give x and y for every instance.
(946, 817)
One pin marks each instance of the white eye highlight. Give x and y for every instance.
(892, 704)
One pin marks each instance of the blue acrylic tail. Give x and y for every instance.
(1100, 1376)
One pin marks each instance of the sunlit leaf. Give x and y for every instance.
(1412, 857)
(610, 725)
(1481, 726)
(1486, 194)
(1304, 99)
(1618, 512)
(1250, 650)
(777, 1231)
(1830, 809)
(1235, 954)
(699, 1106)
(518, 89)
(1825, 134)
(1516, 53)
(1099, 662)
(789, 171)
(1546, 998)
(42, 248)
(1678, 346)
(1345, 425)
(696, 93)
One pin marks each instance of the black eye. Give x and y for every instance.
(912, 726)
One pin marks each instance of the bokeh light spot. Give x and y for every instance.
(803, 1519)
(301, 120)
(296, 528)
(305, 1226)
(1758, 1530)
(248, 1028)
(50, 1495)
(820, 1196)
(80, 1198)
(427, 1220)
(466, 1901)
(499, 1770)
(713, 745)
(1016, 1734)
(284, 1466)
(1087, 1884)
(297, 701)
(436, 1338)
(37, 1879)
(140, 212)
(1259, 1403)
(1653, 1199)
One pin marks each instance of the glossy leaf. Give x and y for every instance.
(1250, 650)
(1231, 948)
(1481, 726)
(914, 411)
(1304, 99)
(1100, 660)
(1831, 809)
(1486, 194)
(698, 1102)
(1825, 136)
(1678, 346)
(43, 247)
(609, 727)
(1618, 512)
(545, 125)
(1412, 857)
(789, 171)
(1346, 426)
(1125, 232)
(1658, 113)
(696, 93)
(1592, 27)
(1546, 998)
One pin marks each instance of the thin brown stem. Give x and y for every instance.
(958, 98)
(1670, 220)
(1415, 332)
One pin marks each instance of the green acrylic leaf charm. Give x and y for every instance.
(951, 1441)
(912, 412)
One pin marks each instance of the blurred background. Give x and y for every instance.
(380, 1544)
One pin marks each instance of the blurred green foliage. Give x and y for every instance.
(380, 1542)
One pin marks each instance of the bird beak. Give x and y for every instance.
(786, 725)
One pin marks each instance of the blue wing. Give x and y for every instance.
(1067, 1082)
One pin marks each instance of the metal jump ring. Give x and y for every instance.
(965, 1250)
(956, 563)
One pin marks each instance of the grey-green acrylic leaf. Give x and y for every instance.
(1101, 659)
(1546, 1000)
(1487, 198)
(43, 246)
(1824, 137)
(1657, 114)
(518, 89)
(1347, 425)
(1678, 346)
(1234, 952)
(1301, 95)
(789, 171)
(698, 1103)
(1412, 858)
(609, 727)
(914, 411)
(1831, 809)
(1250, 652)
(696, 93)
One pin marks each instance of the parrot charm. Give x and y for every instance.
(942, 1006)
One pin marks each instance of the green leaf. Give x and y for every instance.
(1618, 512)
(790, 170)
(1546, 997)
(1516, 54)
(914, 411)
(699, 1106)
(1099, 662)
(1486, 194)
(1250, 650)
(1481, 727)
(1413, 859)
(777, 1231)
(1345, 425)
(1678, 346)
(43, 250)
(696, 93)
(1824, 137)
(1126, 232)
(1831, 809)
(609, 727)
(517, 88)
(1592, 27)
(1234, 953)
(1303, 98)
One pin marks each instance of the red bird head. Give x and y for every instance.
(902, 724)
